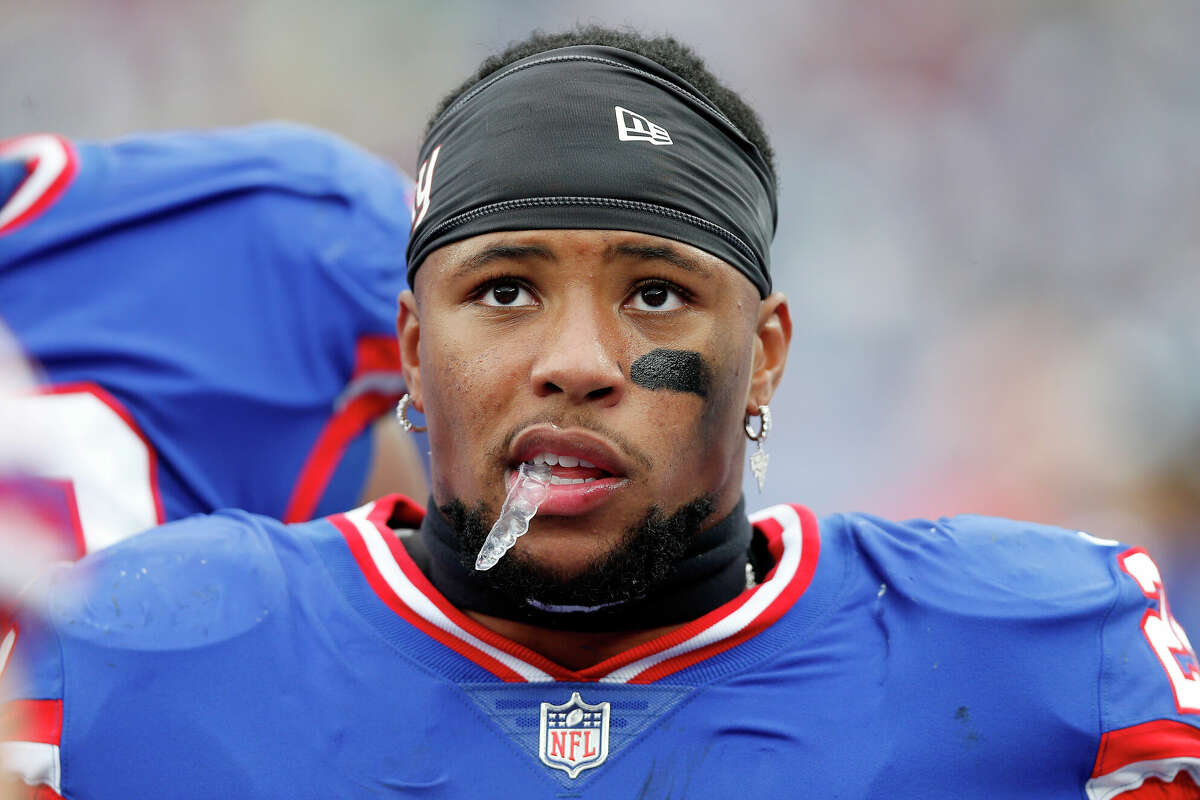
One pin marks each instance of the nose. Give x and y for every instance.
(577, 360)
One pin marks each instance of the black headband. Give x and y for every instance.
(595, 138)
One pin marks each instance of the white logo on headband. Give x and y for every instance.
(424, 186)
(633, 127)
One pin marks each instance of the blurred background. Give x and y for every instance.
(989, 225)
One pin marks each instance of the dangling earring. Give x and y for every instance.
(758, 459)
(402, 415)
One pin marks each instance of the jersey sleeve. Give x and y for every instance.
(355, 247)
(113, 626)
(1149, 693)
(245, 284)
(31, 706)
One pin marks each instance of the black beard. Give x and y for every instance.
(643, 559)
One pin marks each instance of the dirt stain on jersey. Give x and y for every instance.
(963, 715)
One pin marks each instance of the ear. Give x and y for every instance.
(772, 339)
(408, 331)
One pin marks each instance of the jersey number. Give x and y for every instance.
(93, 450)
(51, 163)
(1165, 635)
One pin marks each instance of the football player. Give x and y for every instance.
(210, 314)
(584, 607)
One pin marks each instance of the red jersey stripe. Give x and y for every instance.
(33, 721)
(1149, 741)
(374, 354)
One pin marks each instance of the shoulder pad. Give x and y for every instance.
(184, 584)
(989, 565)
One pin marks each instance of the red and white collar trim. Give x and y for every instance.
(792, 537)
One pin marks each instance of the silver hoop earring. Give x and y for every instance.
(759, 458)
(402, 415)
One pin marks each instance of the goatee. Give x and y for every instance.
(645, 556)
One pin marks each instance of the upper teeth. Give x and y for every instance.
(555, 460)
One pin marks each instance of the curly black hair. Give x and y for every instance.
(666, 50)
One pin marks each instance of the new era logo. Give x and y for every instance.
(633, 127)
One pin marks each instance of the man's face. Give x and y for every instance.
(627, 361)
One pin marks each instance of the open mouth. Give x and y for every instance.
(585, 469)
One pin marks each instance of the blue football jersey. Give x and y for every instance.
(213, 315)
(232, 656)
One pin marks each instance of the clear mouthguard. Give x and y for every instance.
(527, 494)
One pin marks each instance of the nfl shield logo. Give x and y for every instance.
(574, 735)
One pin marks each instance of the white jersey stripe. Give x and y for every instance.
(1131, 776)
(52, 160)
(411, 596)
(735, 622)
(34, 762)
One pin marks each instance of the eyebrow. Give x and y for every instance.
(652, 252)
(501, 252)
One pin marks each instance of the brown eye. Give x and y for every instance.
(654, 297)
(506, 294)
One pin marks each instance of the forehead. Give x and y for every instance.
(579, 248)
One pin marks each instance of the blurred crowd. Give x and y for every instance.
(989, 223)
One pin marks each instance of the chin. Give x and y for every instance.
(565, 553)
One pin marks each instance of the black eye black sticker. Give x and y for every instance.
(673, 370)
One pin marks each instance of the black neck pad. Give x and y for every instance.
(711, 572)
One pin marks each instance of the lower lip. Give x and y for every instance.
(566, 499)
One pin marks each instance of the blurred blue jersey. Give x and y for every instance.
(231, 656)
(213, 315)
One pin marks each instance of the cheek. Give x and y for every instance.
(700, 435)
(463, 382)
(457, 364)
(731, 382)
(719, 431)
(719, 437)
